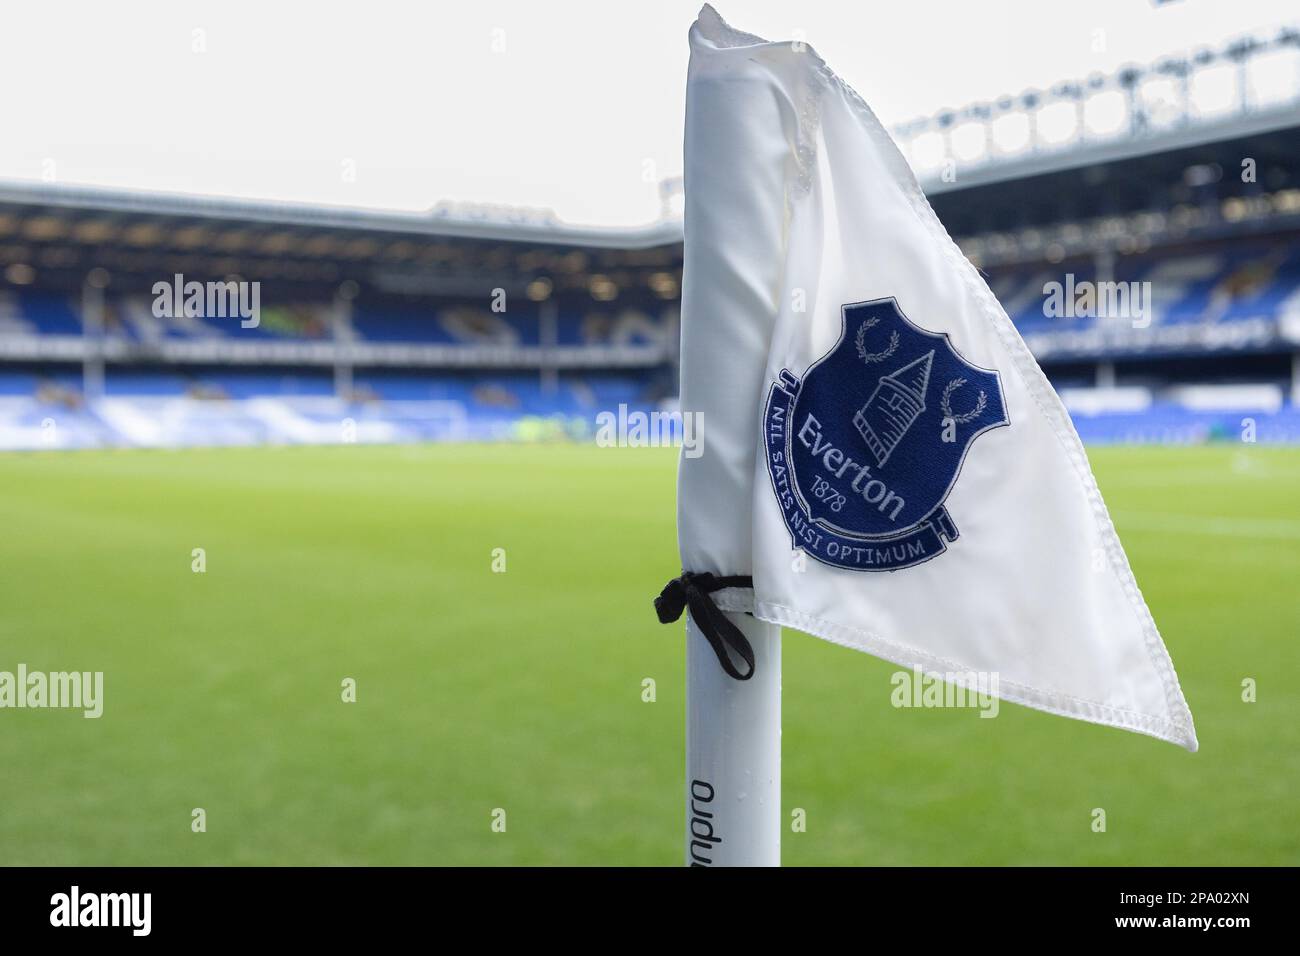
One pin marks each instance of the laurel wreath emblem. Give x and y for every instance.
(861, 342)
(980, 404)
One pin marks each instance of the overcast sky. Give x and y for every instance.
(576, 106)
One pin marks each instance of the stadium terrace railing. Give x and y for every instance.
(223, 352)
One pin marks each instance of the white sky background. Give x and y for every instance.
(567, 116)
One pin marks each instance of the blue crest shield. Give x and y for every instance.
(864, 450)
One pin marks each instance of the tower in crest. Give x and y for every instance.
(893, 407)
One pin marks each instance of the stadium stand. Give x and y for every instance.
(1154, 272)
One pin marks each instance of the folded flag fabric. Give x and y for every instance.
(881, 452)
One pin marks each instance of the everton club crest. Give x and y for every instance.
(865, 449)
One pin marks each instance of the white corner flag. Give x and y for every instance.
(882, 455)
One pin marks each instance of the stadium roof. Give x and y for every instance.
(55, 234)
(1100, 152)
(1158, 187)
(86, 200)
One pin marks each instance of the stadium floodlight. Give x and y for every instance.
(1029, 102)
(1246, 75)
(883, 463)
(1163, 102)
(1128, 79)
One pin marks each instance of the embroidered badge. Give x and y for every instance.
(864, 450)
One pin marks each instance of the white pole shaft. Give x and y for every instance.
(733, 752)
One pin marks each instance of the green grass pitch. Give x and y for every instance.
(522, 691)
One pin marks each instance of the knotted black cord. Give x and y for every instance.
(692, 590)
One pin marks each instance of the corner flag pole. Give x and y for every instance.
(734, 254)
(733, 752)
